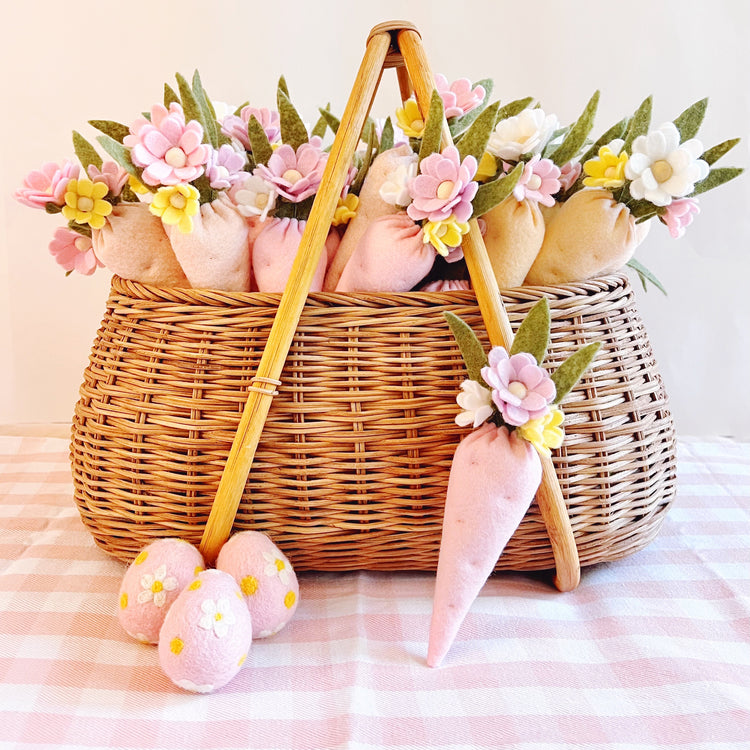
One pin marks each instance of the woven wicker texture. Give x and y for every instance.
(352, 468)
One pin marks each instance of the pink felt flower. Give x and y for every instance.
(444, 187)
(111, 174)
(679, 215)
(74, 252)
(47, 185)
(235, 126)
(539, 182)
(296, 175)
(569, 173)
(170, 151)
(521, 389)
(458, 97)
(224, 167)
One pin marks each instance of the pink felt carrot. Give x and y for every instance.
(493, 479)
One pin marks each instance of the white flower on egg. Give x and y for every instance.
(155, 586)
(217, 616)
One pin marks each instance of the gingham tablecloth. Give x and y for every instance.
(649, 652)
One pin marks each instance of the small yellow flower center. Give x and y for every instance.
(85, 204)
(534, 182)
(175, 157)
(279, 564)
(176, 646)
(218, 616)
(178, 201)
(261, 200)
(610, 172)
(661, 170)
(417, 125)
(82, 244)
(445, 188)
(157, 586)
(292, 176)
(518, 389)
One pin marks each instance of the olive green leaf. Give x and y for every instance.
(190, 105)
(331, 119)
(716, 152)
(387, 136)
(639, 123)
(511, 109)
(370, 137)
(645, 275)
(113, 129)
(259, 143)
(493, 193)
(474, 140)
(689, 122)
(433, 129)
(170, 97)
(470, 346)
(85, 152)
(533, 333)
(283, 86)
(320, 127)
(460, 124)
(293, 130)
(208, 113)
(570, 371)
(120, 154)
(616, 131)
(717, 176)
(576, 136)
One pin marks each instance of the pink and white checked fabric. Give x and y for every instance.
(649, 652)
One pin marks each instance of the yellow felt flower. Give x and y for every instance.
(410, 119)
(444, 235)
(487, 167)
(607, 170)
(176, 205)
(84, 204)
(137, 186)
(545, 432)
(346, 210)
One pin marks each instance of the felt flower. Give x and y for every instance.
(521, 389)
(458, 97)
(606, 170)
(539, 181)
(84, 204)
(487, 167)
(74, 252)
(254, 196)
(176, 205)
(525, 133)
(395, 188)
(679, 215)
(569, 173)
(296, 175)
(661, 168)
(154, 586)
(47, 184)
(143, 193)
(346, 210)
(444, 187)
(224, 167)
(217, 616)
(276, 566)
(235, 126)
(170, 150)
(545, 432)
(444, 235)
(476, 402)
(111, 174)
(409, 119)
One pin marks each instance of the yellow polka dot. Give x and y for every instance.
(242, 660)
(289, 599)
(176, 646)
(249, 585)
(141, 557)
(198, 569)
(123, 600)
(196, 584)
(279, 564)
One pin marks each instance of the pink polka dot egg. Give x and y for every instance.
(152, 583)
(206, 634)
(266, 578)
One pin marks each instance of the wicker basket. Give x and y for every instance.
(352, 467)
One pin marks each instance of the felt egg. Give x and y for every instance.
(206, 634)
(152, 583)
(265, 577)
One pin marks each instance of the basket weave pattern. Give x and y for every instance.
(352, 467)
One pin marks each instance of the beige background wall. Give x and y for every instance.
(112, 60)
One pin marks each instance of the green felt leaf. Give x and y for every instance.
(573, 142)
(616, 131)
(85, 152)
(533, 333)
(717, 176)
(689, 122)
(387, 136)
(52, 208)
(643, 208)
(120, 154)
(259, 143)
(645, 275)
(283, 87)
(170, 96)
(190, 106)
(82, 229)
(113, 129)
(127, 195)
(370, 137)
(433, 129)
(639, 123)
(493, 193)
(208, 114)
(459, 125)
(571, 370)
(321, 125)
(331, 119)
(470, 346)
(474, 141)
(716, 152)
(511, 109)
(293, 130)
(239, 109)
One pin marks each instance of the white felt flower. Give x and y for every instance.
(276, 566)
(661, 168)
(476, 402)
(395, 189)
(526, 133)
(217, 616)
(155, 586)
(254, 196)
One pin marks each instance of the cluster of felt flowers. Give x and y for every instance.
(512, 388)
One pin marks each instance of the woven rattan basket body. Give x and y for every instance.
(352, 467)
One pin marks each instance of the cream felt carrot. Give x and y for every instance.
(496, 471)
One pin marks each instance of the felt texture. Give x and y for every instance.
(390, 257)
(492, 482)
(215, 255)
(265, 577)
(371, 206)
(206, 634)
(589, 235)
(274, 251)
(514, 235)
(151, 584)
(133, 244)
